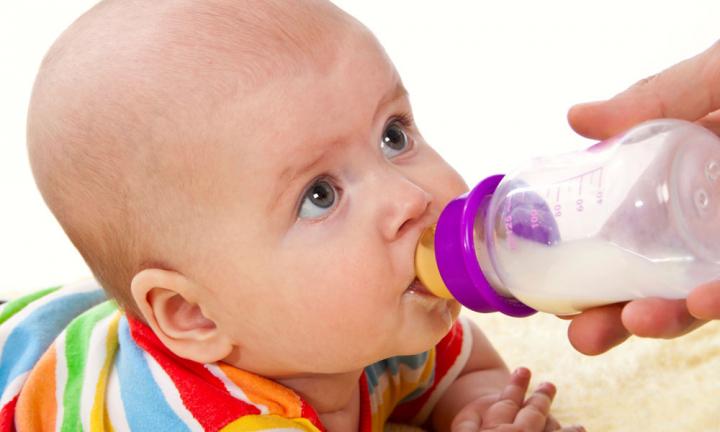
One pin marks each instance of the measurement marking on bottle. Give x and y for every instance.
(511, 243)
(583, 188)
(580, 176)
(534, 219)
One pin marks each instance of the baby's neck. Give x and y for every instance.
(336, 398)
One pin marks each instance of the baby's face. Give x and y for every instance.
(322, 187)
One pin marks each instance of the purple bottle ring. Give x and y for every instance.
(456, 258)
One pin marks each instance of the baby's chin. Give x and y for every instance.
(418, 296)
(430, 318)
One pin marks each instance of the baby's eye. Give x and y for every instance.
(318, 200)
(394, 140)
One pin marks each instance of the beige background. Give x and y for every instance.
(642, 385)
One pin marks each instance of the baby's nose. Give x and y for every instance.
(404, 204)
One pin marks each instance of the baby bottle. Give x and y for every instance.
(634, 216)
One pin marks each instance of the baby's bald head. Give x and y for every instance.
(117, 128)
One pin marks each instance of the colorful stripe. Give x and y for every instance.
(39, 396)
(77, 342)
(171, 394)
(12, 307)
(28, 333)
(7, 415)
(203, 394)
(98, 412)
(445, 363)
(146, 408)
(72, 356)
(453, 353)
(61, 378)
(270, 422)
(115, 416)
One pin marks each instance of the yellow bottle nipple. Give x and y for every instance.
(426, 267)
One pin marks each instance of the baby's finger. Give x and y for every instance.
(468, 420)
(516, 388)
(510, 400)
(552, 425)
(533, 415)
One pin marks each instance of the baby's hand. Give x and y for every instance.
(510, 412)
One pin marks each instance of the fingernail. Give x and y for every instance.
(521, 372)
(590, 103)
(467, 426)
(547, 387)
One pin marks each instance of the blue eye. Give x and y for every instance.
(394, 140)
(318, 200)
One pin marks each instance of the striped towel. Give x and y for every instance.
(70, 361)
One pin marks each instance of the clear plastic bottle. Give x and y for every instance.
(634, 216)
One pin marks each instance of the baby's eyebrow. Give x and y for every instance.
(398, 91)
(291, 171)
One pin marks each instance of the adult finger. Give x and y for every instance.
(688, 90)
(711, 122)
(597, 330)
(704, 301)
(533, 415)
(658, 318)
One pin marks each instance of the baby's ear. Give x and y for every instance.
(166, 299)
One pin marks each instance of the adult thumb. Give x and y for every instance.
(688, 90)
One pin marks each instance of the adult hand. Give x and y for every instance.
(689, 90)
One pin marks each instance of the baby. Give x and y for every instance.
(245, 180)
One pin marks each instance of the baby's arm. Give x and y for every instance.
(485, 385)
(484, 376)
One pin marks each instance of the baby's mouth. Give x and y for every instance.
(417, 287)
(417, 294)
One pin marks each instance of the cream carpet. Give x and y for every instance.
(641, 385)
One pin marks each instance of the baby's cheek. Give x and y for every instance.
(448, 184)
(443, 177)
(458, 184)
